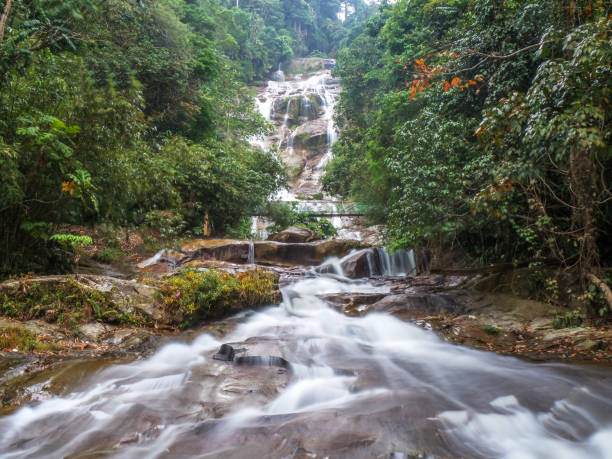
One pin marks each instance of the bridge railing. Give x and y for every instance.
(322, 208)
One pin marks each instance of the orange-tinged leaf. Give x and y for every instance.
(68, 187)
(412, 96)
(455, 81)
(472, 82)
(398, 61)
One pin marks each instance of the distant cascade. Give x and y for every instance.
(258, 227)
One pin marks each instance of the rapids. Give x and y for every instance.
(372, 386)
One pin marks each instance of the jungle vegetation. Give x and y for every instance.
(119, 111)
(483, 126)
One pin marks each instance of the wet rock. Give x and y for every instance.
(163, 261)
(423, 304)
(217, 249)
(358, 264)
(296, 234)
(298, 109)
(93, 331)
(306, 65)
(591, 345)
(311, 253)
(311, 136)
(354, 304)
(132, 340)
(554, 335)
(256, 360)
(226, 353)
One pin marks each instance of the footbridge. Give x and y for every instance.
(323, 208)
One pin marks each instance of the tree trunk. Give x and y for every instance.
(603, 287)
(583, 184)
(4, 18)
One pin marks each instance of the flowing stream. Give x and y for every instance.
(345, 387)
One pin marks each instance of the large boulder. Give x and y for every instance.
(298, 109)
(296, 234)
(308, 253)
(311, 136)
(217, 249)
(358, 264)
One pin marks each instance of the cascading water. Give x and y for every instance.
(372, 386)
(251, 254)
(379, 263)
(400, 263)
(301, 107)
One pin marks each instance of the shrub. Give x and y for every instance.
(571, 319)
(169, 223)
(194, 295)
(109, 255)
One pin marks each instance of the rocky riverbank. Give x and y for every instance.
(106, 319)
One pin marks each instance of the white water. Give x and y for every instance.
(251, 254)
(375, 376)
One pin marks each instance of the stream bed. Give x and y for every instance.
(308, 381)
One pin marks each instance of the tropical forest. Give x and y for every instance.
(306, 228)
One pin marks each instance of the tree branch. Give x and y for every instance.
(602, 286)
(508, 56)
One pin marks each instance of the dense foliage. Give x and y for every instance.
(114, 110)
(483, 125)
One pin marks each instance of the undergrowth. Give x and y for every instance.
(194, 295)
(68, 303)
(22, 340)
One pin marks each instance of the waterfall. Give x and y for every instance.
(301, 109)
(251, 255)
(400, 263)
(378, 262)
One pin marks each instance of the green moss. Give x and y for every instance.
(490, 329)
(23, 340)
(109, 255)
(194, 295)
(66, 302)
